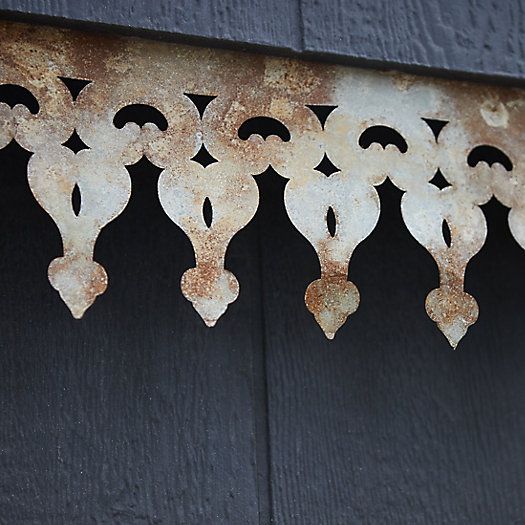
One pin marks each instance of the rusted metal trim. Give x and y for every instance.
(218, 117)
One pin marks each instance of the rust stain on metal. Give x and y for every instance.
(248, 112)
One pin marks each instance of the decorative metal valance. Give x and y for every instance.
(213, 119)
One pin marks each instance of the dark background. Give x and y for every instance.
(139, 414)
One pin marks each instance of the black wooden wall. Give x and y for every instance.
(466, 37)
(139, 414)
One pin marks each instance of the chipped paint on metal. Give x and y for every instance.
(260, 111)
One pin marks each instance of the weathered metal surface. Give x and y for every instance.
(334, 132)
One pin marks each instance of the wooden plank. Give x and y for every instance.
(269, 23)
(138, 413)
(471, 36)
(386, 424)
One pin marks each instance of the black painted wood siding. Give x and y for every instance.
(139, 414)
(482, 37)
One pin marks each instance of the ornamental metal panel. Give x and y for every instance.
(213, 119)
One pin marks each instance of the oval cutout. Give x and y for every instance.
(445, 229)
(331, 221)
(76, 200)
(207, 212)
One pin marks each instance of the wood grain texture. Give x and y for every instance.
(138, 414)
(479, 37)
(269, 23)
(386, 424)
(474, 36)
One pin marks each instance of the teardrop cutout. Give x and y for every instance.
(446, 233)
(207, 212)
(76, 200)
(331, 221)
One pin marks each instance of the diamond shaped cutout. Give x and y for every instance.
(326, 166)
(75, 143)
(439, 180)
(203, 157)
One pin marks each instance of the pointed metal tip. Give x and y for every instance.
(79, 281)
(331, 300)
(77, 316)
(454, 333)
(453, 312)
(75, 309)
(210, 292)
(452, 343)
